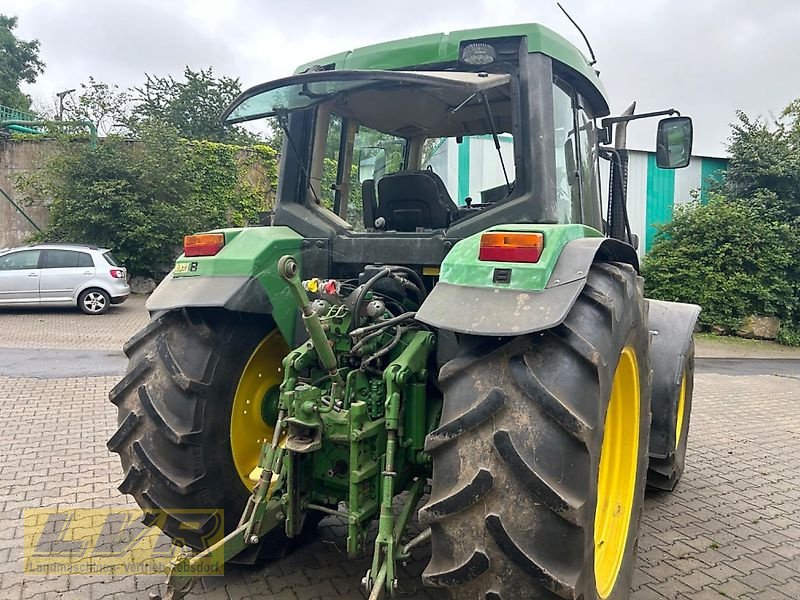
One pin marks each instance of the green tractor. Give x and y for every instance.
(440, 313)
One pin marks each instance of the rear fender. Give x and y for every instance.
(243, 277)
(671, 326)
(468, 300)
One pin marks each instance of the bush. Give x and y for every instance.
(730, 257)
(789, 334)
(140, 198)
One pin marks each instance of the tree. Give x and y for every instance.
(765, 161)
(19, 62)
(193, 107)
(105, 105)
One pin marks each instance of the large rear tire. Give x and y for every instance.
(177, 411)
(664, 473)
(539, 465)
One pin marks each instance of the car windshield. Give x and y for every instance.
(450, 88)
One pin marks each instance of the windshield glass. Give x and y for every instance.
(308, 89)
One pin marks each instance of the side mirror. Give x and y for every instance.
(674, 143)
(371, 163)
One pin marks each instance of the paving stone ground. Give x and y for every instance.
(63, 327)
(730, 530)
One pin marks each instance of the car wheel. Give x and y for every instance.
(94, 301)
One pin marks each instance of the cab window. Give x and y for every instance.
(590, 191)
(16, 261)
(567, 177)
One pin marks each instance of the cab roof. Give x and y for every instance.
(444, 47)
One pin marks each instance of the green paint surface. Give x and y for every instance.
(660, 198)
(253, 252)
(443, 47)
(463, 170)
(711, 170)
(462, 267)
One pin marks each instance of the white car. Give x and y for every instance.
(62, 275)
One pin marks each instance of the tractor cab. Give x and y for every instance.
(436, 141)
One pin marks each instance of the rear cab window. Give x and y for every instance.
(470, 166)
(369, 156)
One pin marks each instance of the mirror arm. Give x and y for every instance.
(627, 116)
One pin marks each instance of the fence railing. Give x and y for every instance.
(12, 114)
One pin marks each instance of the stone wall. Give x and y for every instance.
(17, 157)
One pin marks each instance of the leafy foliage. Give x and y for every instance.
(193, 107)
(728, 258)
(19, 62)
(105, 105)
(737, 255)
(140, 198)
(765, 161)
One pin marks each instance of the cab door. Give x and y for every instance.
(19, 277)
(63, 272)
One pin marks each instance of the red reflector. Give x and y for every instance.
(117, 273)
(507, 246)
(203, 244)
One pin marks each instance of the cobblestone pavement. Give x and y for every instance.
(731, 529)
(53, 327)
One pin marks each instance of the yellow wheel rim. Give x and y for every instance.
(681, 408)
(249, 429)
(616, 481)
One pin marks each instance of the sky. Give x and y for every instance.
(706, 58)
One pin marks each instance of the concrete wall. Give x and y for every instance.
(16, 158)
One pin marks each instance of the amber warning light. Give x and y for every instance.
(508, 246)
(203, 244)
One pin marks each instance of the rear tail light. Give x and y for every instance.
(203, 244)
(510, 246)
(118, 273)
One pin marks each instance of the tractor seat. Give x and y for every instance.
(414, 200)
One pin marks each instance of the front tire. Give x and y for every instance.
(177, 411)
(539, 465)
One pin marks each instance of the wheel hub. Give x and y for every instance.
(253, 416)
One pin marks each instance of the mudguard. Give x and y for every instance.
(242, 276)
(671, 325)
(476, 304)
